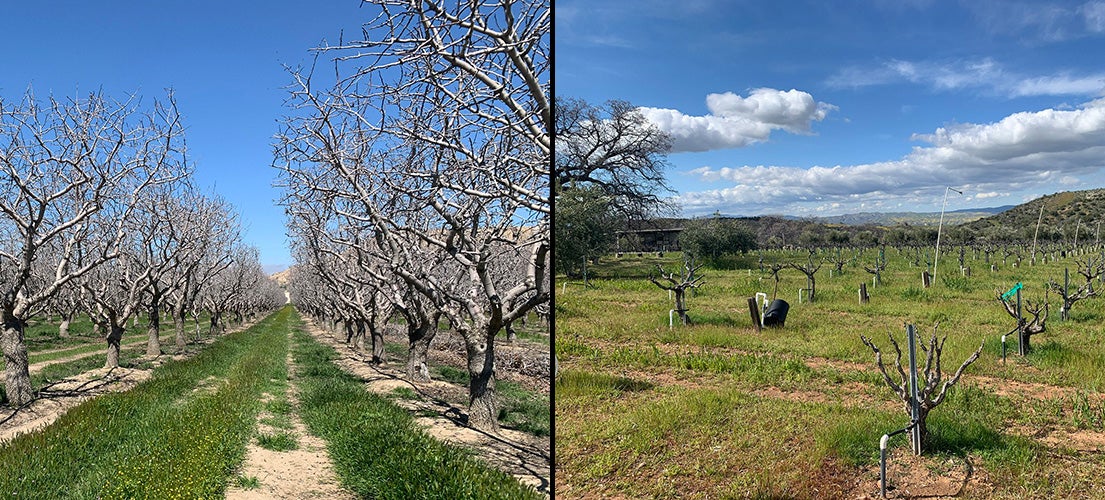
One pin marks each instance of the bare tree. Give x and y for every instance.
(72, 168)
(439, 150)
(932, 388)
(809, 270)
(1025, 329)
(616, 148)
(678, 284)
(1090, 271)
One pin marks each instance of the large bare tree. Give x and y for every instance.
(614, 147)
(436, 150)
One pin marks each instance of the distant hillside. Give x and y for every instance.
(1061, 213)
(951, 217)
(281, 277)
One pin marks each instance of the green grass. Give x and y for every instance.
(520, 409)
(280, 441)
(377, 450)
(247, 482)
(277, 421)
(626, 377)
(405, 393)
(158, 440)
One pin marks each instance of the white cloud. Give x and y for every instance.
(1021, 151)
(985, 74)
(1094, 14)
(736, 121)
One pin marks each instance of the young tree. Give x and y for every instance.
(1025, 329)
(931, 387)
(678, 284)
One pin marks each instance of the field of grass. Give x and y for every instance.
(718, 410)
(179, 435)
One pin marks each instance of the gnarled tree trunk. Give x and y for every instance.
(153, 346)
(114, 338)
(483, 403)
(18, 381)
(178, 325)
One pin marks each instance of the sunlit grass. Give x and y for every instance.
(158, 440)
(621, 363)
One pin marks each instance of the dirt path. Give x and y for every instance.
(522, 455)
(34, 367)
(303, 473)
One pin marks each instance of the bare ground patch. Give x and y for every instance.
(61, 396)
(302, 473)
(910, 476)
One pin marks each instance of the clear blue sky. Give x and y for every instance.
(820, 108)
(223, 58)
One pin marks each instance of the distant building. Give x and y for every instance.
(649, 240)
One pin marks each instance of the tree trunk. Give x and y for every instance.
(511, 335)
(483, 404)
(358, 335)
(113, 339)
(419, 339)
(348, 330)
(63, 329)
(377, 334)
(178, 323)
(18, 382)
(153, 346)
(680, 308)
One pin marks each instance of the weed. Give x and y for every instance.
(247, 482)
(281, 441)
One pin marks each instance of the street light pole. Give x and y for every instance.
(939, 227)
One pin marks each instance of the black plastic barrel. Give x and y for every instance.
(776, 313)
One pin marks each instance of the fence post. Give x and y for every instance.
(754, 311)
(915, 412)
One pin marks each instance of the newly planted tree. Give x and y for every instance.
(1025, 329)
(1090, 270)
(932, 388)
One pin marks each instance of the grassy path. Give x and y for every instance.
(184, 432)
(179, 435)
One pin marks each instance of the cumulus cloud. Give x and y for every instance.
(735, 121)
(1023, 150)
(983, 74)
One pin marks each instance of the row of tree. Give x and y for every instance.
(418, 186)
(98, 216)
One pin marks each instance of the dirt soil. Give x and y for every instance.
(303, 473)
(522, 455)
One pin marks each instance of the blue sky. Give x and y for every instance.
(223, 58)
(822, 108)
